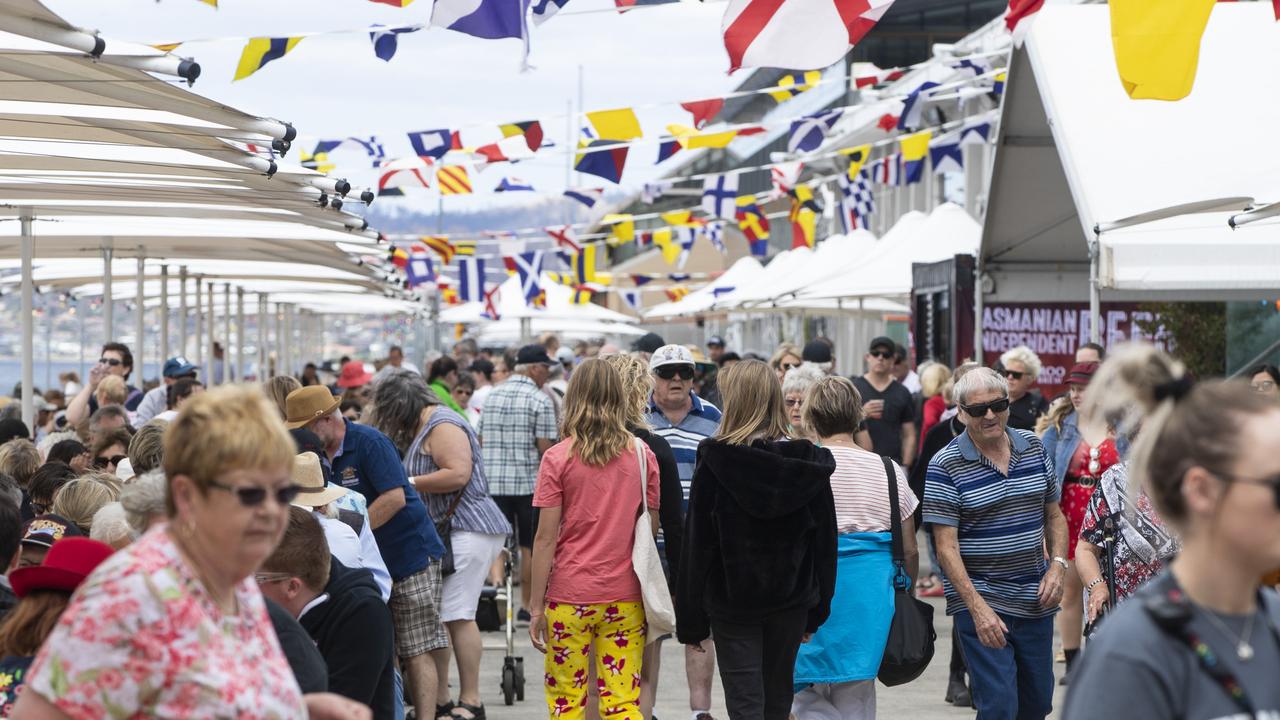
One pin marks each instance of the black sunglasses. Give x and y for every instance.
(882, 354)
(980, 411)
(101, 462)
(1273, 482)
(251, 496)
(110, 361)
(667, 372)
(1013, 375)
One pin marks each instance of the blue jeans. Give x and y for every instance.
(1014, 682)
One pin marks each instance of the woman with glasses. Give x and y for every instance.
(794, 387)
(1201, 639)
(785, 359)
(1265, 379)
(164, 627)
(111, 449)
(1079, 460)
(1021, 367)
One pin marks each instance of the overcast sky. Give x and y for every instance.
(334, 86)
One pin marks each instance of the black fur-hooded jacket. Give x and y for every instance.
(760, 536)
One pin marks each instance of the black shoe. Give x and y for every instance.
(523, 616)
(957, 693)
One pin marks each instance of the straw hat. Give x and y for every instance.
(308, 475)
(309, 403)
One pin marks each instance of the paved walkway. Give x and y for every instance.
(920, 700)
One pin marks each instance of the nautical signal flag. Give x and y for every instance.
(471, 279)
(584, 265)
(784, 176)
(491, 300)
(508, 149)
(856, 202)
(564, 237)
(531, 130)
(809, 132)
(453, 180)
(887, 170)
(632, 299)
(692, 138)
(586, 196)
(386, 40)
(793, 84)
(607, 163)
(754, 225)
(1019, 16)
(915, 152)
(804, 224)
(392, 3)
(681, 218)
(977, 133)
(1157, 46)
(857, 157)
(620, 124)
(581, 295)
(406, 172)
(488, 19)
(624, 227)
(398, 256)
(544, 9)
(667, 148)
(464, 247)
(802, 196)
(262, 50)
(703, 111)
(720, 195)
(913, 106)
(664, 239)
(513, 184)
(801, 34)
(419, 270)
(431, 143)
(946, 157)
(440, 245)
(529, 268)
(675, 293)
(999, 80)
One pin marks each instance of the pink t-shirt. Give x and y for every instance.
(598, 510)
(861, 491)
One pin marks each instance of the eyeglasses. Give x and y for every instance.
(1273, 482)
(1264, 386)
(792, 402)
(980, 411)
(668, 372)
(113, 362)
(1013, 374)
(263, 578)
(251, 496)
(788, 367)
(114, 460)
(882, 354)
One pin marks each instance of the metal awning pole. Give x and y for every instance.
(108, 298)
(182, 312)
(263, 372)
(1095, 294)
(140, 319)
(240, 335)
(28, 320)
(210, 292)
(164, 313)
(199, 344)
(227, 365)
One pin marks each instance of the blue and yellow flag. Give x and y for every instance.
(915, 153)
(581, 295)
(261, 51)
(584, 265)
(792, 85)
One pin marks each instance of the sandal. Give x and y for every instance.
(476, 712)
(445, 711)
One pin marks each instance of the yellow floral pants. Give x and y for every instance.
(616, 632)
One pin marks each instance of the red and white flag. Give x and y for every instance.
(796, 34)
(1019, 16)
(564, 238)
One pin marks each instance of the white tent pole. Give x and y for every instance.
(108, 299)
(28, 321)
(263, 372)
(209, 292)
(140, 318)
(48, 344)
(90, 44)
(227, 374)
(182, 313)
(240, 335)
(277, 318)
(1095, 293)
(164, 313)
(286, 342)
(199, 344)
(80, 317)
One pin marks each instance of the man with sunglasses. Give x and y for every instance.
(115, 359)
(684, 420)
(992, 499)
(1021, 367)
(889, 408)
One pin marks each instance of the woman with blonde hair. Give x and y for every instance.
(585, 593)
(785, 359)
(933, 378)
(759, 563)
(81, 498)
(1201, 639)
(111, 391)
(277, 389)
(164, 626)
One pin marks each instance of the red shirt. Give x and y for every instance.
(598, 510)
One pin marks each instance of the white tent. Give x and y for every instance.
(743, 273)
(1076, 153)
(511, 306)
(835, 252)
(510, 331)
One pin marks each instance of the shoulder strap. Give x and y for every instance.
(895, 513)
(638, 445)
(456, 501)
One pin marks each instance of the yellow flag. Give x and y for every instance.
(167, 47)
(618, 124)
(624, 226)
(681, 218)
(1157, 45)
(857, 156)
(692, 138)
(262, 50)
(789, 86)
(665, 241)
(915, 146)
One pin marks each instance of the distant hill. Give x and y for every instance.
(394, 217)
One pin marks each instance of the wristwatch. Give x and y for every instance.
(1063, 562)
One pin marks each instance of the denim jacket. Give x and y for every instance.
(1060, 446)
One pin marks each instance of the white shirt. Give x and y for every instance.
(352, 551)
(911, 382)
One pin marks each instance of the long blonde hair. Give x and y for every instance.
(637, 382)
(1059, 410)
(752, 404)
(595, 413)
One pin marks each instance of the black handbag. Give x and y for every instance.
(911, 636)
(444, 529)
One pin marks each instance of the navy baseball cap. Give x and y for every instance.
(179, 366)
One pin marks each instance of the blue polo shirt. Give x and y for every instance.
(701, 423)
(370, 465)
(999, 519)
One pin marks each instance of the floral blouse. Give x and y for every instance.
(13, 674)
(1142, 542)
(142, 638)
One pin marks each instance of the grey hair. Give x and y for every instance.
(980, 380)
(143, 499)
(1024, 355)
(398, 402)
(111, 525)
(802, 378)
(107, 411)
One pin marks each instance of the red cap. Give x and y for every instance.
(68, 563)
(354, 375)
(1082, 373)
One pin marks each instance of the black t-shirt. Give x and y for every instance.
(886, 432)
(1024, 411)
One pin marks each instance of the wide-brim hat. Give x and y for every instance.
(308, 475)
(309, 403)
(68, 563)
(354, 375)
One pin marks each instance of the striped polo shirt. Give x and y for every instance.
(701, 423)
(999, 519)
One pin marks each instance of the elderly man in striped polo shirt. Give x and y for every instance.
(992, 499)
(683, 419)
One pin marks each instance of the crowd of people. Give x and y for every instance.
(343, 534)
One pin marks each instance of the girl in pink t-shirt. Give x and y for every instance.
(585, 592)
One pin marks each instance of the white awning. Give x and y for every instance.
(743, 273)
(511, 306)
